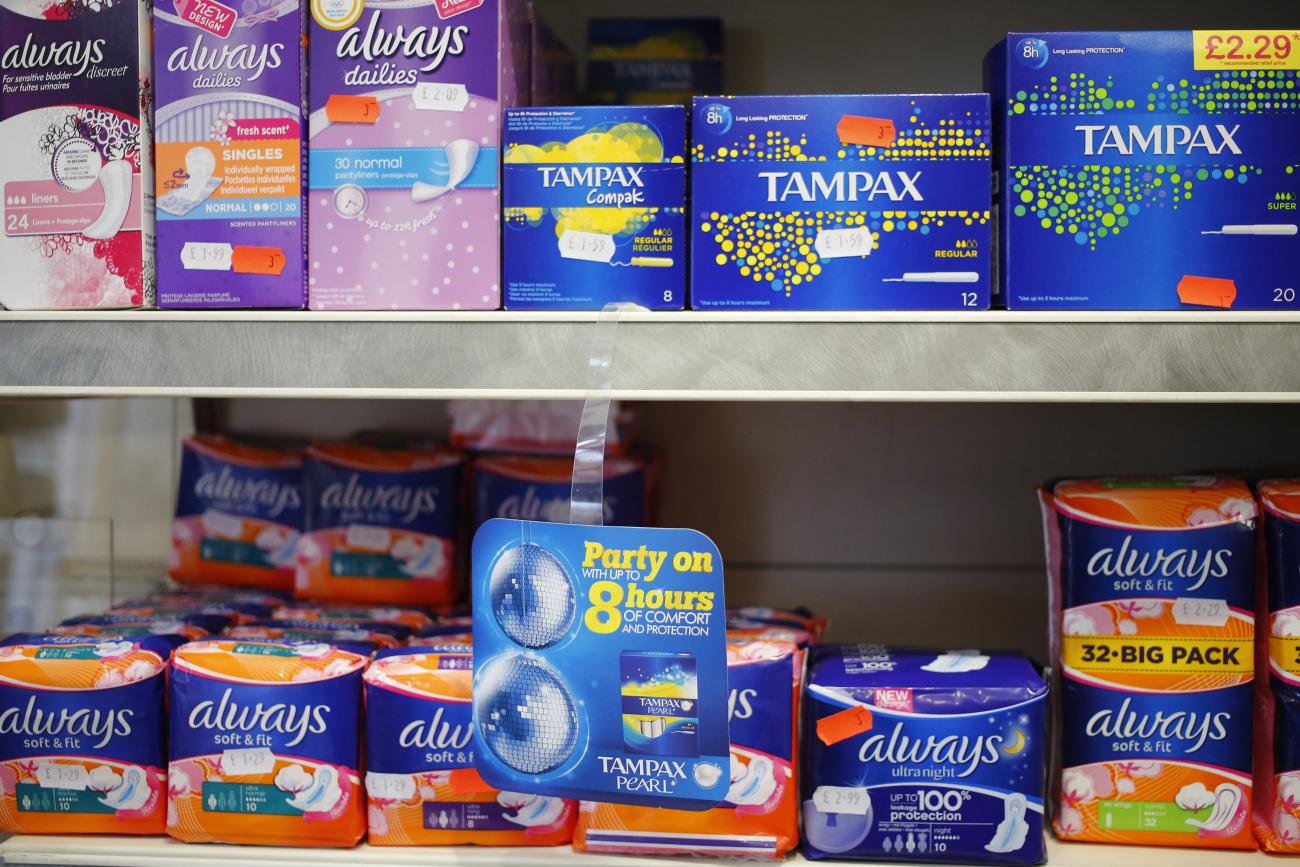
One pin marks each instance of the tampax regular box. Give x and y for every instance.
(229, 153)
(595, 207)
(1152, 170)
(76, 166)
(406, 96)
(841, 202)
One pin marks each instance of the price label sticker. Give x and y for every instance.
(440, 96)
(843, 243)
(869, 131)
(254, 760)
(257, 260)
(1201, 612)
(588, 246)
(391, 787)
(1246, 49)
(367, 538)
(346, 108)
(222, 525)
(55, 776)
(204, 256)
(844, 724)
(842, 799)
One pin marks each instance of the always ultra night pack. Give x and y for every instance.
(1149, 170)
(406, 99)
(75, 162)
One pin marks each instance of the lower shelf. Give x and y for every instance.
(165, 852)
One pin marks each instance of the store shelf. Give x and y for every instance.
(164, 852)
(993, 355)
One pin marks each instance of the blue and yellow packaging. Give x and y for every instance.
(653, 60)
(595, 207)
(600, 663)
(841, 202)
(1149, 171)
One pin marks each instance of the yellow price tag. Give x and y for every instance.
(1284, 651)
(1246, 49)
(1134, 654)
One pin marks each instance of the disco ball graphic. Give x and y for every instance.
(532, 596)
(526, 714)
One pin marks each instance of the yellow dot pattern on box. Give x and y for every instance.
(623, 143)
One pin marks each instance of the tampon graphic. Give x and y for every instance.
(1256, 229)
(935, 277)
(645, 262)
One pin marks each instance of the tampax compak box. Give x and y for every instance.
(76, 166)
(1151, 170)
(841, 202)
(595, 207)
(406, 99)
(229, 153)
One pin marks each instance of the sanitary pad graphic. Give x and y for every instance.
(600, 665)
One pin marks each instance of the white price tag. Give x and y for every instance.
(1201, 612)
(588, 246)
(842, 799)
(369, 538)
(255, 760)
(55, 776)
(220, 524)
(842, 243)
(204, 256)
(392, 787)
(439, 96)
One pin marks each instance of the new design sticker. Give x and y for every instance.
(600, 666)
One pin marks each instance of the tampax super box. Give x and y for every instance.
(595, 207)
(840, 202)
(230, 153)
(76, 168)
(1149, 170)
(406, 99)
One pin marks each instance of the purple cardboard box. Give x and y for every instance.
(406, 102)
(75, 162)
(229, 153)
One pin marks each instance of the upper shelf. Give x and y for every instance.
(976, 356)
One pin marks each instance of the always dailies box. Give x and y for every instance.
(590, 189)
(1148, 170)
(229, 145)
(600, 663)
(840, 202)
(1154, 636)
(266, 743)
(406, 101)
(76, 165)
(82, 727)
(913, 755)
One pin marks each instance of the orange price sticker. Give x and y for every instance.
(257, 260)
(1207, 291)
(1246, 49)
(870, 131)
(342, 108)
(843, 725)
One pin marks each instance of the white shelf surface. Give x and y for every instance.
(164, 852)
(1017, 356)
